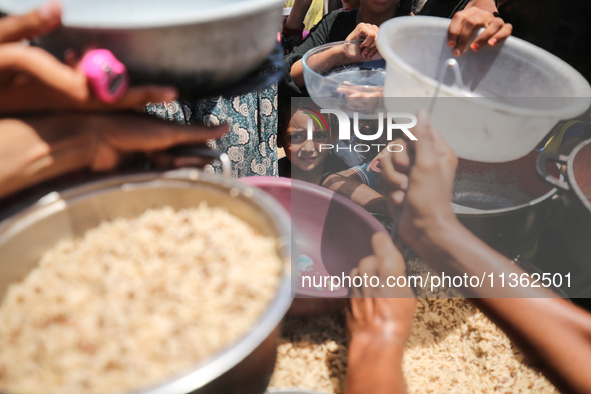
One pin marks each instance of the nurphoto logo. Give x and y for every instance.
(393, 121)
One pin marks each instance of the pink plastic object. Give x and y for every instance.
(332, 233)
(374, 165)
(106, 75)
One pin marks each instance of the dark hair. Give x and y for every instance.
(284, 112)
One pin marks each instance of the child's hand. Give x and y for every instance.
(368, 33)
(464, 23)
(296, 17)
(419, 181)
(118, 134)
(381, 312)
(34, 24)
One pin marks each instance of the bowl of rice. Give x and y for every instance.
(155, 283)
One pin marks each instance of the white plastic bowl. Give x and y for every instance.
(524, 90)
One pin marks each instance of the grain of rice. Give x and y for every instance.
(453, 347)
(134, 302)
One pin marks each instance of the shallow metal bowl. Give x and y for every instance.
(205, 43)
(243, 367)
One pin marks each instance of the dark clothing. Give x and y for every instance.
(332, 165)
(443, 8)
(335, 26)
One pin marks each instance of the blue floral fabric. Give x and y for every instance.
(251, 142)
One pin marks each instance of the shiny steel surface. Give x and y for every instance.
(69, 213)
(205, 42)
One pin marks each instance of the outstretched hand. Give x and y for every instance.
(384, 312)
(368, 33)
(379, 320)
(419, 181)
(37, 148)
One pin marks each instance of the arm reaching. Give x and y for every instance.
(36, 149)
(550, 330)
(349, 184)
(379, 321)
(343, 54)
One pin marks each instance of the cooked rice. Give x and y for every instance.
(453, 347)
(134, 302)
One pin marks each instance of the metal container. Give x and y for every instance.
(504, 204)
(245, 366)
(576, 218)
(201, 42)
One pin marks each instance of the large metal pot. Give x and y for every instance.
(576, 218)
(504, 204)
(204, 43)
(244, 367)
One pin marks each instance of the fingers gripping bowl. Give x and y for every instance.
(204, 43)
(338, 76)
(509, 97)
(240, 364)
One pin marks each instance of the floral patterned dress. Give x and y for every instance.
(251, 143)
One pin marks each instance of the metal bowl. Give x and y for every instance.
(202, 42)
(504, 204)
(243, 367)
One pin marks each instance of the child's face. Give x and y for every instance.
(303, 153)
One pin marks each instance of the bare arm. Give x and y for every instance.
(348, 184)
(486, 5)
(379, 321)
(34, 80)
(35, 149)
(296, 17)
(550, 330)
(339, 55)
(375, 366)
(326, 59)
(28, 157)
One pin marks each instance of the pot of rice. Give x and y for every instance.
(154, 283)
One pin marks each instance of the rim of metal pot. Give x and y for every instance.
(211, 368)
(550, 194)
(571, 175)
